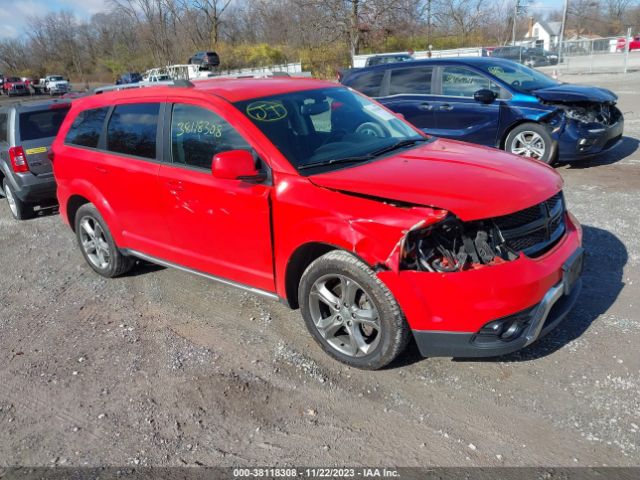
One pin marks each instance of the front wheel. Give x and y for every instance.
(531, 140)
(351, 313)
(97, 245)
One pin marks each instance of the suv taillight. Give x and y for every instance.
(18, 160)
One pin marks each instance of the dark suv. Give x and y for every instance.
(27, 131)
(206, 60)
(531, 57)
(129, 77)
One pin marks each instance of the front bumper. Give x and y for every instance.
(450, 308)
(579, 141)
(541, 319)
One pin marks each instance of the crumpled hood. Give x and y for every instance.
(470, 181)
(568, 92)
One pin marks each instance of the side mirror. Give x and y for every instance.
(485, 96)
(236, 165)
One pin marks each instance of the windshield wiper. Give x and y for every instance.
(333, 161)
(401, 144)
(364, 158)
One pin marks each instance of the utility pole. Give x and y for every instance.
(519, 8)
(562, 26)
(428, 22)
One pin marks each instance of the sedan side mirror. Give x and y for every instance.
(485, 96)
(236, 165)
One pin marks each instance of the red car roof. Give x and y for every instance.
(238, 89)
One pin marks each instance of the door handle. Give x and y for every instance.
(446, 107)
(102, 169)
(426, 106)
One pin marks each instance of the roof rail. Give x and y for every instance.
(143, 84)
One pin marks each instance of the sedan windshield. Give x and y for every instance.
(326, 128)
(521, 78)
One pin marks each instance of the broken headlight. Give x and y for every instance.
(452, 246)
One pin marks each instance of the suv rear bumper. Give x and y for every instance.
(32, 188)
(541, 319)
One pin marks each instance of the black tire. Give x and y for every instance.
(117, 263)
(19, 209)
(394, 333)
(529, 130)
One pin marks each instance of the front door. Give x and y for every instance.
(458, 115)
(220, 227)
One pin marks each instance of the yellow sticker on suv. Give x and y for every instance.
(33, 151)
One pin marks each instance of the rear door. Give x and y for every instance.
(125, 171)
(409, 92)
(457, 115)
(218, 226)
(35, 133)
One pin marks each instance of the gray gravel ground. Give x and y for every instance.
(164, 368)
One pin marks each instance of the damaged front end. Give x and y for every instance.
(584, 129)
(452, 245)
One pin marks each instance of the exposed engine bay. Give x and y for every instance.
(604, 114)
(452, 245)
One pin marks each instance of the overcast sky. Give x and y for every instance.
(14, 13)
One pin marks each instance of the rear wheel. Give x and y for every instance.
(351, 313)
(19, 209)
(531, 140)
(97, 245)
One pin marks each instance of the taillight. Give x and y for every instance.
(18, 160)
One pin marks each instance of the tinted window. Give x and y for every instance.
(410, 80)
(3, 127)
(368, 83)
(132, 129)
(44, 124)
(198, 134)
(87, 127)
(462, 82)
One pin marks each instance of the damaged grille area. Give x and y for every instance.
(534, 230)
(452, 245)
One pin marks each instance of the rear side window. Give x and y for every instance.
(368, 83)
(43, 124)
(410, 81)
(197, 134)
(87, 127)
(3, 127)
(462, 82)
(132, 129)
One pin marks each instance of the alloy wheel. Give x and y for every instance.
(528, 144)
(344, 315)
(11, 201)
(94, 242)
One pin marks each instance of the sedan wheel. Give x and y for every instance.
(344, 315)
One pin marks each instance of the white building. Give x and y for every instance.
(544, 34)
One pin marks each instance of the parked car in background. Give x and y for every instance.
(163, 77)
(14, 86)
(311, 193)
(383, 59)
(128, 77)
(531, 57)
(1, 82)
(498, 103)
(634, 44)
(27, 131)
(377, 60)
(548, 58)
(205, 60)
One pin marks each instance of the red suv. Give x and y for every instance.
(311, 193)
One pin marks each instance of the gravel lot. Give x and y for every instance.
(164, 368)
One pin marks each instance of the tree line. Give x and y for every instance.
(134, 35)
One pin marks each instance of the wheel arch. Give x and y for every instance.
(73, 205)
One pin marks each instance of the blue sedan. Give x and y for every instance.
(498, 103)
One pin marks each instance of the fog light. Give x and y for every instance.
(493, 328)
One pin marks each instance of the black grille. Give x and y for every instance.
(536, 229)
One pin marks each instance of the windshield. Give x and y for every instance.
(521, 78)
(56, 79)
(320, 129)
